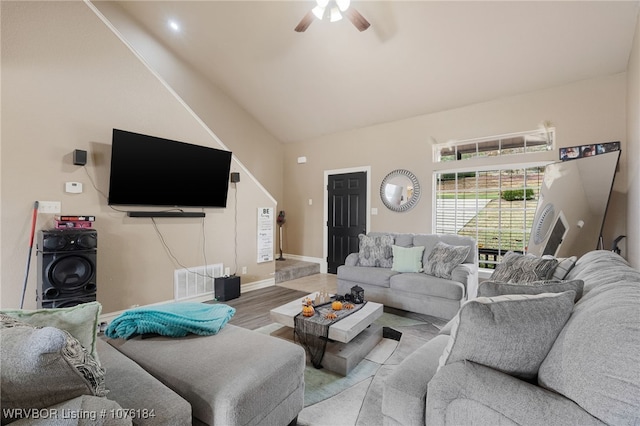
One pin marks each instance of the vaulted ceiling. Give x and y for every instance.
(417, 57)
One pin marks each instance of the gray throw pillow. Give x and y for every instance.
(518, 268)
(492, 288)
(44, 366)
(376, 251)
(444, 258)
(512, 333)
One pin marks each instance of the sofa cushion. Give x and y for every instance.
(524, 327)
(80, 320)
(375, 250)
(404, 240)
(366, 274)
(135, 389)
(518, 268)
(407, 259)
(236, 377)
(44, 366)
(428, 285)
(444, 258)
(595, 360)
(492, 288)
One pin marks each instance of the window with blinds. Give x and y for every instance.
(495, 204)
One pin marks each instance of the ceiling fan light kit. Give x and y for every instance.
(336, 8)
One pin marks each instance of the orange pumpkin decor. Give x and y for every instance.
(308, 311)
(330, 316)
(307, 307)
(336, 305)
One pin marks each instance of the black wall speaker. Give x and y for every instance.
(66, 267)
(227, 288)
(235, 177)
(79, 157)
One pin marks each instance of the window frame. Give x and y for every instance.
(494, 144)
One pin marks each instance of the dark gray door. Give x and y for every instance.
(347, 195)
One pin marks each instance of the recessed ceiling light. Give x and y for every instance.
(174, 25)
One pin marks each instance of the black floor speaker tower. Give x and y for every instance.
(66, 267)
(227, 288)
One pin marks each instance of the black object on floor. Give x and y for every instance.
(227, 288)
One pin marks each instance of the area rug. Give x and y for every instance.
(334, 400)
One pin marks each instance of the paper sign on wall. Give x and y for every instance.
(265, 234)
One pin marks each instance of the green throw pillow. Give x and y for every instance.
(44, 366)
(407, 259)
(81, 321)
(512, 333)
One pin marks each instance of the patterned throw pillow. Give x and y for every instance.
(444, 258)
(44, 366)
(376, 251)
(512, 333)
(492, 288)
(518, 268)
(565, 264)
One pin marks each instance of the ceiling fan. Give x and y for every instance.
(333, 9)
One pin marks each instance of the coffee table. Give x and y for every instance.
(350, 339)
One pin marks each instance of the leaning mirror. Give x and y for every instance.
(400, 190)
(572, 206)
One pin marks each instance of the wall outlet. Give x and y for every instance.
(244, 270)
(227, 271)
(49, 206)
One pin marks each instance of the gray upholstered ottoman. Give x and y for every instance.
(237, 377)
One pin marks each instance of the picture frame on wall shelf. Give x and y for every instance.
(581, 151)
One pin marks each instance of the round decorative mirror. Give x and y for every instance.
(400, 190)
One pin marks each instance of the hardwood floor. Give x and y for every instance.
(252, 308)
(312, 283)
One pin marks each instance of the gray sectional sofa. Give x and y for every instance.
(589, 374)
(418, 292)
(236, 377)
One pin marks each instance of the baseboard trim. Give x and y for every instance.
(323, 264)
(257, 285)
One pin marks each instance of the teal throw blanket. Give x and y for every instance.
(172, 319)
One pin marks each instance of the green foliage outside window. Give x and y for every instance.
(517, 194)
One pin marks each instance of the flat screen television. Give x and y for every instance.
(152, 171)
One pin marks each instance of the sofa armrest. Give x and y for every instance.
(467, 274)
(457, 394)
(352, 259)
(405, 389)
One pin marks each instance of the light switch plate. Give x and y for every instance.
(49, 207)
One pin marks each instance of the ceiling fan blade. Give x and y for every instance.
(357, 19)
(305, 22)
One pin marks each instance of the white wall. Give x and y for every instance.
(67, 80)
(633, 134)
(586, 112)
